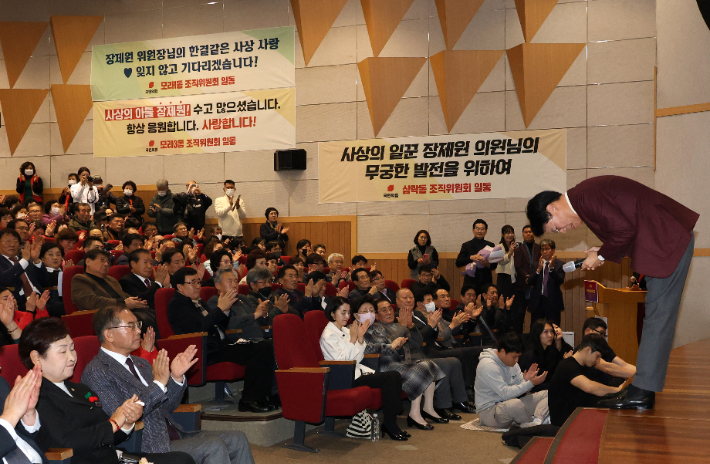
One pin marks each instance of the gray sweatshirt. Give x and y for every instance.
(496, 382)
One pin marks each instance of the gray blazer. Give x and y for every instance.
(114, 385)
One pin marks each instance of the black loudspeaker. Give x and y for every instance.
(290, 160)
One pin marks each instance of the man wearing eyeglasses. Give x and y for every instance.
(656, 232)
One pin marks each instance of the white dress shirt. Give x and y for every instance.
(24, 263)
(122, 361)
(336, 346)
(26, 449)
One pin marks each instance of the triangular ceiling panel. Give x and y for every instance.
(458, 75)
(382, 18)
(385, 80)
(537, 69)
(314, 19)
(532, 13)
(19, 107)
(18, 41)
(71, 104)
(454, 16)
(72, 35)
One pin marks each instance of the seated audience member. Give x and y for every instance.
(560, 343)
(22, 226)
(5, 217)
(139, 283)
(398, 343)
(314, 262)
(52, 256)
(320, 249)
(82, 218)
(65, 197)
(288, 278)
(174, 259)
(259, 281)
(299, 264)
(106, 197)
(150, 230)
(274, 248)
(216, 233)
(19, 273)
(360, 262)
(115, 375)
(303, 248)
(67, 239)
(187, 313)
(341, 343)
(10, 331)
(546, 301)
(246, 314)
(255, 258)
(19, 211)
(95, 288)
(542, 351)
(427, 276)
(69, 413)
(163, 208)
(53, 213)
(101, 222)
(34, 212)
(361, 278)
(337, 273)
(132, 224)
(570, 388)
(114, 231)
(130, 205)
(39, 229)
(611, 369)
(221, 259)
(131, 242)
(84, 191)
(468, 296)
(378, 281)
(272, 230)
(496, 314)
(19, 421)
(272, 263)
(212, 247)
(182, 234)
(314, 298)
(423, 254)
(259, 243)
(502, 397)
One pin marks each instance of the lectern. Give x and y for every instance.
(620, 307)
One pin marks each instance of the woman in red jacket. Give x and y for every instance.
(29, 184)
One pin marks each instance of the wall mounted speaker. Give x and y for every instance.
(290, 160)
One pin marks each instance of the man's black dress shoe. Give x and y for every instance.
(447, 414)
(412, 423)
(436, 420)
(633, 398)
(275, 400)
(253, 406)
(464, 407)
(394, 436)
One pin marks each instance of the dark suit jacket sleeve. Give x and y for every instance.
(184, 317)
(133, 287)
(558, 273)
(139, 206)
(521, 271)
(442, 283)
(7, 444)
(268, 233)
(122, 206)
(464, 256)
(87, 294)
(424, 329)
(9, 272)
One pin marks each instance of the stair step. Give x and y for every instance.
(534, 452)
(579, 438)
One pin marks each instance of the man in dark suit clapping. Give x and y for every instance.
(546, 301)
(139, 283)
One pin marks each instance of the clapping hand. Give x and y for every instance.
(344, 292)
(183, 362)
(398, 343)
(434, 318)
(42, 300)
(161, 367)
(262, 309)
(7, 311)
(405, 317)
(200, 234)
(68, 263)
(282, 302)
(22, 399)
(148, 341)
(226, 300)
(31, 303)
(49, 231)
(132, 411)
(458, 319)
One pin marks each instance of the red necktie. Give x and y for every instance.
(147, 283)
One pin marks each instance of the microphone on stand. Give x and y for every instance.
(572, 266)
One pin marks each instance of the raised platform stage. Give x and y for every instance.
(676, 431)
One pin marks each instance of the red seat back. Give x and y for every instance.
(244, 289)
(351, 285)
(291, 343)
(11, 364)
(330, 290)
(86, 349)
(162, 298)
(407, 283)
(392, 285)
(67, 277)
(454, 304)
(275, 287)
(315, 323)
(74, 255)
(48, 239)
(301, 287)
(118, 272)
(286, 259)
(80, 323)
(169, 237)
(115, 254)
(208, 292)
(113, 242)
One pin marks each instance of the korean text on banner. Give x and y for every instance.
(465, 166)
(210, 123)
(215, 63)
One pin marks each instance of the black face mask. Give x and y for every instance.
(265, 292)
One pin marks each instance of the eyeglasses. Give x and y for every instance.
(130, 325)
(194, 282)
(602, 332)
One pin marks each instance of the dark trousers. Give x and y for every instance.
(520, 306)
(173, 457)
(468, 357)
(505, 285)
(259, 361)
(390, 385)
(545, 310)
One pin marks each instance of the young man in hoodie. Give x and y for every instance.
(500, 385)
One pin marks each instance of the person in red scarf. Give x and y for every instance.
(29, 184)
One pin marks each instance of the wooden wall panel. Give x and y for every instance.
(72, 35)
(532, 13)
(382, 18)
(18, 41)
(454, 16)
(313, 21)
(71, 103)
(19, 107)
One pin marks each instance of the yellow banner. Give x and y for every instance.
(465, 166)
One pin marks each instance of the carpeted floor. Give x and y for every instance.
(446, 443)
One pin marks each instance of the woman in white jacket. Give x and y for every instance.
(341, 343)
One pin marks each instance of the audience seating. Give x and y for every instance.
(200, 373)
(208, 292)
(244, 289)
(86, 349)
(11, 364)
(407, 283)
(68, 275)
(119, 271)
(286, 259)
(351, 285)
(169, 237)
(304, 386)
(80, 323)
(48, 239)
(74, 255)
(115, 254)
(301, 287)
(392, 285)
(113, 242)
(243, 259)
(275, 287)
(330, 290)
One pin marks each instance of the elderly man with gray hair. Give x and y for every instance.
(163, 208)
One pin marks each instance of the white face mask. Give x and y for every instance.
(364, 317)
(72, 182)
(229, 192)
(29, 172)
(219, 236)
(54, 211)
(162, 193)
(430, 307)
(128, 192)
(21, 216)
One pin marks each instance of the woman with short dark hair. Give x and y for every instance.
(130, 205)
(422, 254)
(272, 230)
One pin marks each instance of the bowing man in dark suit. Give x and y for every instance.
(656, 232)
(19, 421)
(469, 254)
(115, 375)
(17, 273)
(527, 257)
(546, 301)
(139, 283)
(187, 313)
(71, 413)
